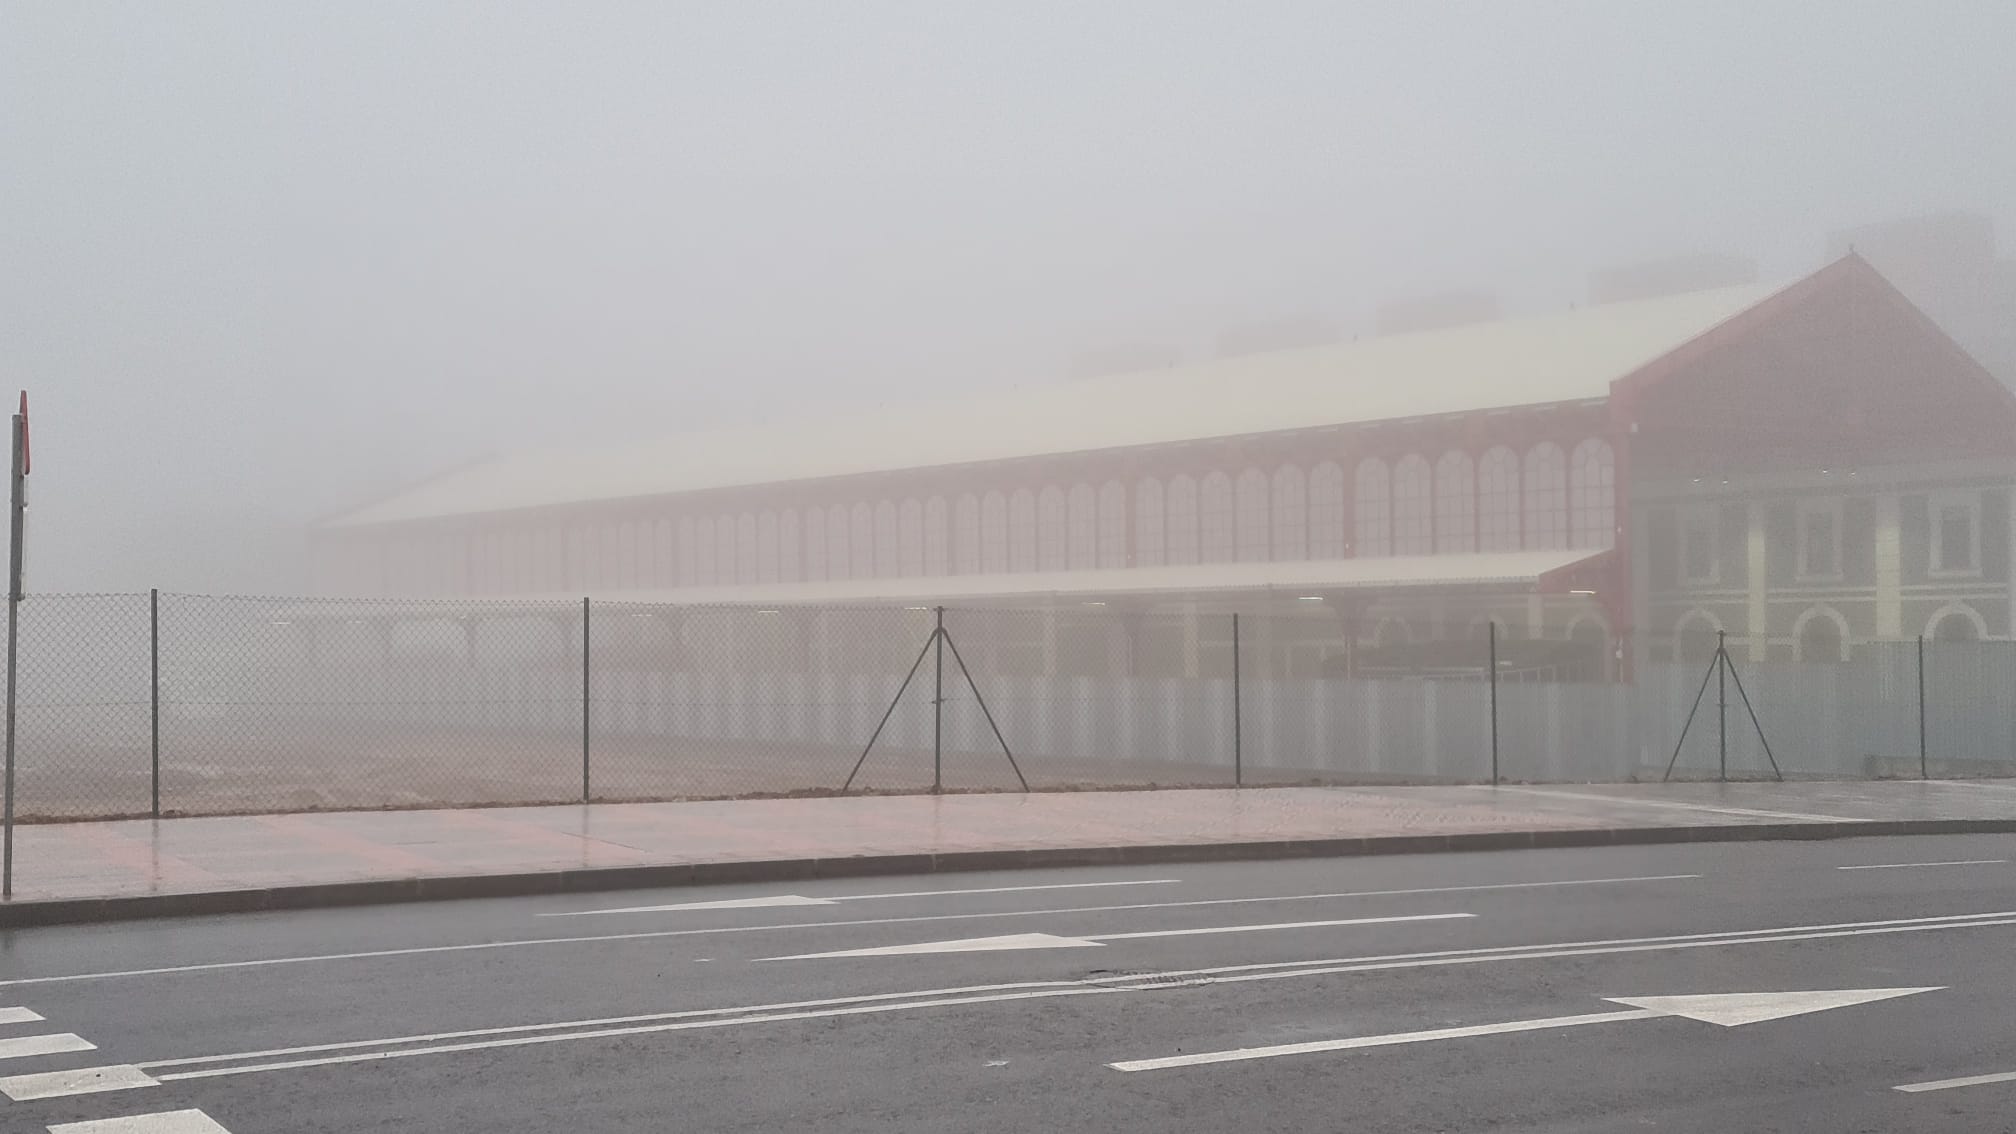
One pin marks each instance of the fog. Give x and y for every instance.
(264, 262)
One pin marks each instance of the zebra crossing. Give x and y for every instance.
(29, 1086)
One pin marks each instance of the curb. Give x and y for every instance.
(70, 911)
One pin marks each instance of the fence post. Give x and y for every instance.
(1492, 634)
(1238, 754)
(938, 705)
(1923, 773)
(154, 690)
(1722, 700)
(584, 699)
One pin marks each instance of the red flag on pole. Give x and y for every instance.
(24, 433)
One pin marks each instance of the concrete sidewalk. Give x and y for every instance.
(139, 868)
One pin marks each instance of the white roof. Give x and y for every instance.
(1568, 356)
(1282, 579)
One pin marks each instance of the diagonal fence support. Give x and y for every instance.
(936, 643)
(1722, 671)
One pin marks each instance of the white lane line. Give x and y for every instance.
(18, 1016)
(1090, 940)
(1949, 1084)
(1273, 970)
(644, 935)
(1599, 797)
(1972, 784)
(82, 1081)
(21, 1047)
(833, 899)
(164, 1122)
(1203, 1057)
(1902, 865)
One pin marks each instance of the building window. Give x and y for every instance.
(910, 539)
(1546, 512)
(724, 550)
(1956, 623)
(1051, 530)
(1822, 636)
(861, 540)
(1253, 531)
(745, 547)
(937, 539)
(1696, 637)
(1214, 511)
(1413, 516)
(1289, 515)
(1182, 519)
(1375, 508)
(766, 547)
(1592, 486)
(1083, 526)
(1700, 545)
(1820, 540)
(1956, 533)
(839, 557)
(788, 546)
(888, 546)
(994, 558)
(1022, 530)
(1326, 511)
(1112, 532)
(966, 535)
(1455, 504)
(1148, 520)
(1498, 500)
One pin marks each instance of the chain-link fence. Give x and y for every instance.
(137, 704)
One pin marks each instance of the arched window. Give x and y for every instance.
(1498, 500)
(887, 541)
(839, 543)
(815, 544)
(1455, 504)
(994, 557)
(1375, 508)
(966, 535)
(689, 572)
(1022, 530)
(724, 550)
(1215, 519)
(1695, 637)
(745, 548)
(1326, 511)
(1083, 527)
(1290, 515)
(1956, 622)
(1050, 530)
(1592, 495)
(936, 538)
(910, 538)
(1822, 635)
(861, 540)
(1250, 515)
(1183, 526)
(1112, 524)
(626, 556)
(1546, 512)
(1413, 520)
(788, 561)
(766, 547)
(1148, 522)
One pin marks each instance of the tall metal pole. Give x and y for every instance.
(1722, 698)
(1923, 773)
(1238, 753)
(938, 705)
(1493, 635)
(19, 505)
(584, 699)
(154, 690)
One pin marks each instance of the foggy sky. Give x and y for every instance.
(265, 261)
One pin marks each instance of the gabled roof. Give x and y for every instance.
(1563, 357)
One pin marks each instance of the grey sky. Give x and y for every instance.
(265, 260)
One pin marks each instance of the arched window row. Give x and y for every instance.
(1453, 502)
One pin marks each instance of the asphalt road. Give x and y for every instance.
(1278, 996)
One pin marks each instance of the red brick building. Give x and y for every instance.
(1810, 466)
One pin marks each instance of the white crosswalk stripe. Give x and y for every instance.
(21, 1047)
(164, 1122)
(18, 1016)
(80, 1081)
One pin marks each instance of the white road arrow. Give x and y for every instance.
(1727, 1009)
(1051, 941)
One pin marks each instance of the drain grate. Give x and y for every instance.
(1145, 981)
